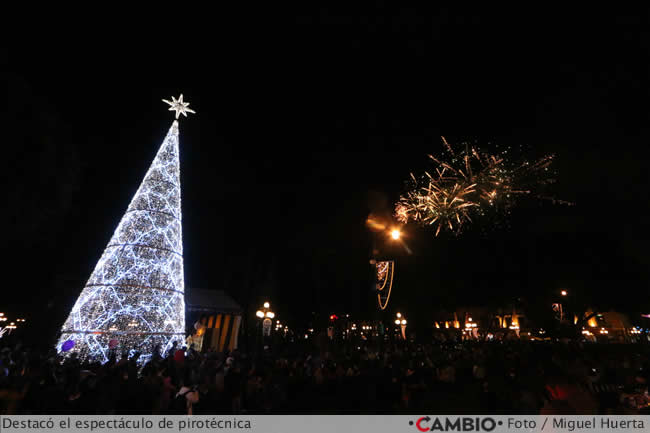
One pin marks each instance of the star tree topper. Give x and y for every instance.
(179, 106)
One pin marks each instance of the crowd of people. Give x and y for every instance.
(391, 378)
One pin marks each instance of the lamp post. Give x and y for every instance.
(401, 322)
(376, 227)
(266, 317)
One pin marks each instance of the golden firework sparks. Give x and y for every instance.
(468, 182)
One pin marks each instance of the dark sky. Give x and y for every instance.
(304, 115)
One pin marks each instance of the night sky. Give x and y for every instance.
(309, 120)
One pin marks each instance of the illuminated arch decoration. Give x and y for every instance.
(385, 274)
(135, 294)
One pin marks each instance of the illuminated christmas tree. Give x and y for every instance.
(134, 299)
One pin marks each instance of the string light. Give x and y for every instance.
(385, 274)
(136, 291)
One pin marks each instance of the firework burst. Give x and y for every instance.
(468, 183)
(436, 203)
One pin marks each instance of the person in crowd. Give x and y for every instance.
(440, 376)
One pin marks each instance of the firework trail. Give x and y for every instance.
(470, 183)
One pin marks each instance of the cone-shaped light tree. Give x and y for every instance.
(134, 299)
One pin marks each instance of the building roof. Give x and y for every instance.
(210, 301)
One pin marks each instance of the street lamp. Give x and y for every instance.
(395, 234)
(401, 322)
(266, 315)
(563, 292)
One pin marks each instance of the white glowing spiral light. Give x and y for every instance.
(136, 292)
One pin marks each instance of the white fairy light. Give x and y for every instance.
(136, 293)
(179, 106)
